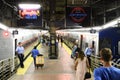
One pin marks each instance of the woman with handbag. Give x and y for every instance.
(81, 65)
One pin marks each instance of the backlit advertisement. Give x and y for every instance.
(30, 17)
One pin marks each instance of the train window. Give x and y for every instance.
(119, 47)
(104, 42)
(86, 44)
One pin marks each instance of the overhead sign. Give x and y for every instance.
(29, 14)
(92, 31)
(78, 16)
(15, 32)
(30, 17)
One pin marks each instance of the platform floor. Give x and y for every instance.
(54, 69)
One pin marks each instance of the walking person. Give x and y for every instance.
(20, 53)
(107, 71)
(35, 52)
(81, 66)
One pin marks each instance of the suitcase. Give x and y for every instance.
(40, 61)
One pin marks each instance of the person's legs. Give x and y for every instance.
(89, 60)
(22, 57)
(20, 60)
(34, 61)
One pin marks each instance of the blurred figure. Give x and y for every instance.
(35, 53)
(20, 53)
(107, 71)
(81, 65)
(74, 50)
(61, 41)
(58, 38)
(88, 51)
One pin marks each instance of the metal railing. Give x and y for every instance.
(8, 67)
(95, 62)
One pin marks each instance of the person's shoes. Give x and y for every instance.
(22, 66)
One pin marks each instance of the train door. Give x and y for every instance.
(15, 45)
(104, 43)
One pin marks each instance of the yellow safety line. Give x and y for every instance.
(21, 71)
(69, 51)
(27, 63)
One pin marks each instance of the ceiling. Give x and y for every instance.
(56, 9)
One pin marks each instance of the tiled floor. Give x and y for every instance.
(54, 69)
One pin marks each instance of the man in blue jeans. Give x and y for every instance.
(35, 53)
(107, 71)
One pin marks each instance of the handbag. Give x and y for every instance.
(88, 75)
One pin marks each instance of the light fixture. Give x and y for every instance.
(29, 6)
(111, 23)
(4, 27)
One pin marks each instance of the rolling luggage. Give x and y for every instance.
(40, 61)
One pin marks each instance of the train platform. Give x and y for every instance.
(53, 69)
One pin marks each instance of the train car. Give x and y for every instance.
(6, 42)
(81, 36)
(110, 37)
(98, 38)
(9, 38)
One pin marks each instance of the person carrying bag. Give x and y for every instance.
(81, 65)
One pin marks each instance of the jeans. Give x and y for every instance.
(21, 59)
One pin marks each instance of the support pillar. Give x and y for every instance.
(53, 50)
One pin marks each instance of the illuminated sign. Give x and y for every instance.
(29, 14)
(78, 14)
(30, 17)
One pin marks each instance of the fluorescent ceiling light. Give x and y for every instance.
(4, 27)
(112, 23)
(29, 6)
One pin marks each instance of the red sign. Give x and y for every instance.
(78, 14)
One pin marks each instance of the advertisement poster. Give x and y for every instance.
(30, 17)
